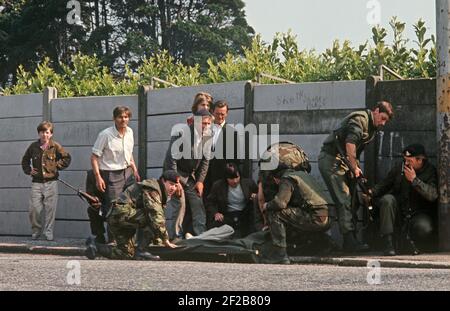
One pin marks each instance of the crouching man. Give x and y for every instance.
(140, 206)
(407, 202)
(299, 203)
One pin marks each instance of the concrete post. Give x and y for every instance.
(50, 93)
(142, 132)
(443, 119)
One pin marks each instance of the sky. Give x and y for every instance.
(317, 23)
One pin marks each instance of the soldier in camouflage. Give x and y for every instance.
(299, 203)
(354, 133)
(140, 206)
(407, 202)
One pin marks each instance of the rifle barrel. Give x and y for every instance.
(68, 185)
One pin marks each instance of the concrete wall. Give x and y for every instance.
(19, 117)
(414, 102)
(306, 114)
(77, 123)
(167, 107)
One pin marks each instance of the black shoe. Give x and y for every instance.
(142, 255)
(388, 249)
(352, 245)
(278, 255)
(91, 249)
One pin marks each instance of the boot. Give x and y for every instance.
(142, 255)
(278, 255)
(388, 249)
(91, 249)
(352, 245)
(104, 249)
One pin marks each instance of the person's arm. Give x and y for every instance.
(427, 190)
(137, 177)
(350, 150)
(200, 175)
(26, 167)
(170, 163)
(99, 182)
(63, 158)
(282, 198)
(212, 201)
(354, 135)
(154, 210)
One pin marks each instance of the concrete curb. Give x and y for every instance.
(336, 261)
(43, 250)
(364, 262)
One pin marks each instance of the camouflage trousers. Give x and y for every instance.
(298, 219)
(124, 220)
(337, 182)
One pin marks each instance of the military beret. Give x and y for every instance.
(202, 113)
(414, 150)
(171, 175)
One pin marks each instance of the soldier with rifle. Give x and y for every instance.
(406, 199)
(354, 133)
(139, 206)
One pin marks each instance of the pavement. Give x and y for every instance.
(76, 247)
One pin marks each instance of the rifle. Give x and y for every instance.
(361, 181)
(90, 199)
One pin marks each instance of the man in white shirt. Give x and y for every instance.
(112, 163)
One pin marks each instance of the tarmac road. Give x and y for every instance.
(48, 272)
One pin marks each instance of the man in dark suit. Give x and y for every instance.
(231, 201)
(188, 154)
(224, 145)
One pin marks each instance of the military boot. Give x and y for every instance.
(91, 249)
(143, 255)
(388, 246)
(104, 249)
(352, 245)
(278, 255)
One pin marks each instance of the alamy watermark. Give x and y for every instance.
(374, 275)
(73, 277)
(74, 15)
(374, 15)
(249, 142)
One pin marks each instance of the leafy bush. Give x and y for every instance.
(84, 76)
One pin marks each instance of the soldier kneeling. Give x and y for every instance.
(140, 206)
(299, 203)
(407, 199)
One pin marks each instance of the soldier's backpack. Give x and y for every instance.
(290, 154)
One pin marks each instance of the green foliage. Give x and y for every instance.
(86, 76)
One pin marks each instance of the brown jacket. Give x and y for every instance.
(47, 162)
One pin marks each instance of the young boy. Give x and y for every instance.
(47, 157)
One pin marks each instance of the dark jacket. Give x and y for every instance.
(47, 162)
(217, 164)
(217, 200)
(356, 128)
(420, 195)
(190, 167)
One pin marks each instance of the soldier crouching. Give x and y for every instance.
(140, 206)
(299, 203)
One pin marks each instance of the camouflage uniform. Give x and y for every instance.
(398, 198)
(299, 203)
(139, 206)
(357, 128)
